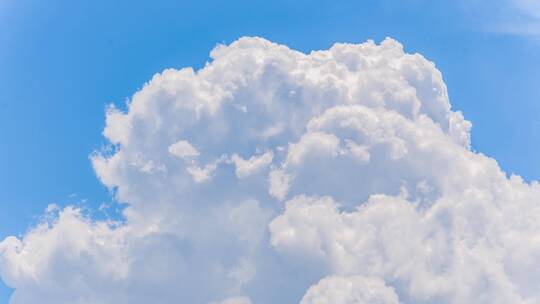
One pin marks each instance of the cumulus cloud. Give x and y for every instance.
(274, 176)
(350, 290)
(183, 149)
(246, 167)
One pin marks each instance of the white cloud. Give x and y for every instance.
(246, 167)
(278, 184)
(183, 149)
(204, 173)
(338, 176)
(350, 290)
(235, 300)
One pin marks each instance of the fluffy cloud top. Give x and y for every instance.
(357, 290)
(271, 176)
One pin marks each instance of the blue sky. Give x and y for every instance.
(62, 62)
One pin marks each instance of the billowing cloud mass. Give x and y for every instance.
(272, 176)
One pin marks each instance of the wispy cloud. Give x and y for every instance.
(517, 17)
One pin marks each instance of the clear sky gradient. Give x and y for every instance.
(62, 62)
